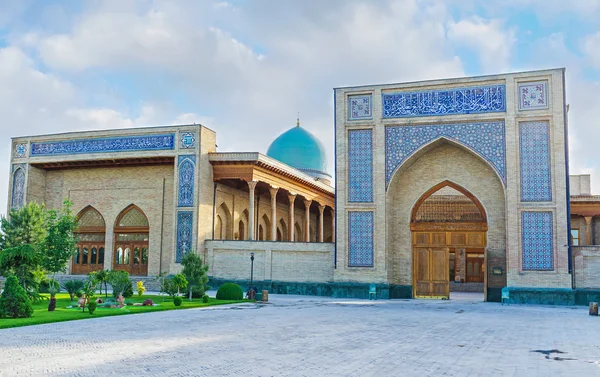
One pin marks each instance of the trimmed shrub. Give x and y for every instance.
(148, 302)
(92, 306)
(230, 291)
(14, 302)
(205, 298)
(177, 301)
(128, 292)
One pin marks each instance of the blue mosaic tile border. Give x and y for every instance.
(360, 107)
(187, 174)
(467, 100)
(185, 222)
(105, 145)
(18, 186)
(537, 238)
(360, 166)
(360, 239)
(534, 147)
(487, 139)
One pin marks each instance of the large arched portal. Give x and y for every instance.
(449, 229)
(451, 167)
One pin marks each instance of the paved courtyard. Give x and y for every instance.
(316, 336)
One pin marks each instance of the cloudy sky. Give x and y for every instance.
(245, 68)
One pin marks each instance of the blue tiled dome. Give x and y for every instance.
(300, 149)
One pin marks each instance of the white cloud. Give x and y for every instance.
(591, 47)
(491, 41)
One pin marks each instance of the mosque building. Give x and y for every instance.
(440, 186)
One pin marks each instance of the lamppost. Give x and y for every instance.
(251, 292)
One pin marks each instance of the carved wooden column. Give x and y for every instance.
(273, 191)
(588, 230)
(321, 209)
(251, 187)
(292, 198)
(307, 204)
(332, 225)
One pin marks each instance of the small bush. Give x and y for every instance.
(128, 292)
(205, 298)
(230, 291)
(198, 292)
(92, 306)
(140, 288)
(128, 302)
(14, 302)
(177, 301)
(148, 302)
(79, 294)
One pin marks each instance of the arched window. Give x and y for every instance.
(226, 224)
(132, 232)
(18, 192)
(284, 232)
(90, 232)
(298, 233)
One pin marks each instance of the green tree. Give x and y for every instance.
(60, 243)
(102, 277)
(172, 285)
(14, 302)
(196, 273)
(120, 281)
(22, 236)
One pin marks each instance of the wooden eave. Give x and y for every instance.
(262, 172)
(591, 208)
(137, 161)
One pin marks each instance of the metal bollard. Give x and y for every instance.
(594, 308)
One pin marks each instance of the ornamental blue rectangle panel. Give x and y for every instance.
(187, 169)
(360, 166)
(468, 100)
(534, 147)
(185, 222)
(18, 186)
(360, 239)
(537, 237)
(486, 139)
(104, 145)
(360, 107)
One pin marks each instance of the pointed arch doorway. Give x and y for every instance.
(449, 235)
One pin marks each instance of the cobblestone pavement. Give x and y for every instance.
(315, 336)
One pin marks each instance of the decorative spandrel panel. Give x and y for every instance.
(360, 107)
(187, 168)
(360, 239)
(104, 145)
(18, 188)
(187, 140)
(534, 147)
(360, 166)
(20, 150)
(533, 95)
(537, 241)
(185, 222)
(487, 139)
(453, 101)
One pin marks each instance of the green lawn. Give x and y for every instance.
(42, 315)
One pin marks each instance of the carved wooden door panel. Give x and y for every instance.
(431, 272)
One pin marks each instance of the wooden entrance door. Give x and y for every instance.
(132, 257)
(89, 258)
(431, 272)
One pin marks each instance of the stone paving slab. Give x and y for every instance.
(316, 336)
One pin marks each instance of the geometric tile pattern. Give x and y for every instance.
(534, 147)
(20, 150)
(537, 238)
(533, 95)
(185, 220)
(360, 166)
(187, 167)
(104, 145)
(360, 239)
(187, 140)
(487, 139)
(18, 189)
(470, 100)
(359, 107)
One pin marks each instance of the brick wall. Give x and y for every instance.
(587, 266)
